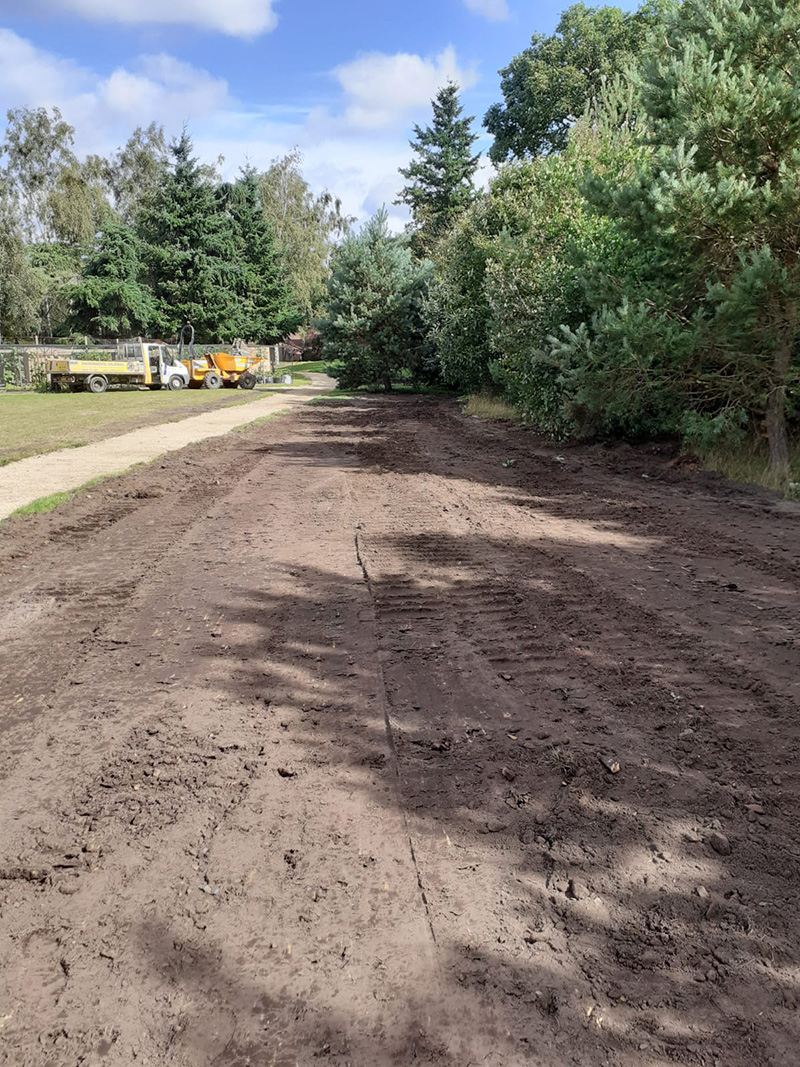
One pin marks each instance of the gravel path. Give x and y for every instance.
(57, 472)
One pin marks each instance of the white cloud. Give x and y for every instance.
(380, 89)
(28, 74)
(105, 110)
(239, 18)
(496, 10)
(355, 153)
(164, 86)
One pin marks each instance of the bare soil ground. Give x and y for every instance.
(309, 756)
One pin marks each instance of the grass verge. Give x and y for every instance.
(748, 462)
(333, 394)
(297, 379)
(486, 406)
(43, 504)
(316, 366)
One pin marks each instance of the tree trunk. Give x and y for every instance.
(776, 401)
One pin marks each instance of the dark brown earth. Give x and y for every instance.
(308, 751)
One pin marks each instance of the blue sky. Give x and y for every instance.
(253, 78)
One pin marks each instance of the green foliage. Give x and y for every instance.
(135, 171)
(440, 179)
(56, 203)
(190, 250)
(547, 86)
(265, 307)
(507, 278)
(37, 151)
(20, 289)
(457, 309)
(111, 299)
(646, 276)
(718, 206)
(56, 267)
(77, 205)
(306, 228)
(149, 238)
(373, 319)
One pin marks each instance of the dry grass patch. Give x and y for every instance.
(748, 462)
(486, 406)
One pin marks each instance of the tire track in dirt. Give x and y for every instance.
(227, 875)
(532, 591)
(213, 851)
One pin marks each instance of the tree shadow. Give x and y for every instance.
(594, 794)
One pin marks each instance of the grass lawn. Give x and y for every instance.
(298, 379)
(316, 365)
(33, 423)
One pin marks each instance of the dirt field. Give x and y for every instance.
(309, 756)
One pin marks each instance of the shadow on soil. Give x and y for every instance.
(644, 916)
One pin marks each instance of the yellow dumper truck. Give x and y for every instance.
(212, 370)
(132, 363)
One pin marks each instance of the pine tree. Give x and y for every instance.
(111, 300)
(441, 177)
(720, 202)
(373, 321)
(191, 250)
(265, 306)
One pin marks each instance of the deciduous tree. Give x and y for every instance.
(306, 227)
(547, 86)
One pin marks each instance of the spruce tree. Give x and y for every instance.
(265, 306)
(111, 299)
(373, 321)
(191, 250)
(440, 179)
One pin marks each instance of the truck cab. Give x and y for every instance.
(165, 368)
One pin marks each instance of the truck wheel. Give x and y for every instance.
(247, 380)
(212, 380)
(97, 384)
(175, 382)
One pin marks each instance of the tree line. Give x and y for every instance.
(632, 267)
(144, 240)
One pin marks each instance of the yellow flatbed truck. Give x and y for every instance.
(148, 363)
